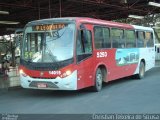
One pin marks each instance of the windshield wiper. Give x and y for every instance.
(51, 54)
(55, 34)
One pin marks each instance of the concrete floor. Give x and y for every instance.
(4, 83)
(127, 95)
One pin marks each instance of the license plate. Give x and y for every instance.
(41, 85)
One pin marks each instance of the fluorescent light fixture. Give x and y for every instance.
(4, 12)
(154, 4)
(9, 22)
(2, 54)
(136, 16)
(123, 1)
(1, 37)
(156, 27)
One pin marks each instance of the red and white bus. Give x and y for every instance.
(75, 53)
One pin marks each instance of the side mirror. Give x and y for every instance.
(82, 35)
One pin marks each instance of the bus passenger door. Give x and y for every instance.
(84, 57)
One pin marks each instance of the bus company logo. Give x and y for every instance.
(41, 74)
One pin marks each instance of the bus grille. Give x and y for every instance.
(43, 77)
(49, 84)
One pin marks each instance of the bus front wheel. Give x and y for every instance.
(98, 80)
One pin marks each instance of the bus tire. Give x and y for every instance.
(98, 80)
(141, 73)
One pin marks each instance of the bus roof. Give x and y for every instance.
(104, 22)
(142, 28)
(87, 20)
(94, 21)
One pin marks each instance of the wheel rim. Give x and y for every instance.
(99, 79)
(142, 70)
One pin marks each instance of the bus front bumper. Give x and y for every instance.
(67, 83)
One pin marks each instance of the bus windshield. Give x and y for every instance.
(48, 43)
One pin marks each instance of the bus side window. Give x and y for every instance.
(149, 39)
(118, 40)
(130, 38)
(98, 39)
(101, 37)
(121, 43)
(114, 38)
(106, 36)
(140, 38)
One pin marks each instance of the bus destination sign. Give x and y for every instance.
(46, 27)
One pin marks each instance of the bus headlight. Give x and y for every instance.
(22, 73)
(65, 74)
(68, 72)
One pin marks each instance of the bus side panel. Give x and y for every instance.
(126, 61)
(118, 62)
(85, 67)
(107, 57)
(148, 55)
(85, 73)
